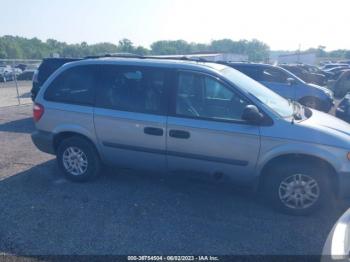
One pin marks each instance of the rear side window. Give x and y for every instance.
(135, 89)
(74, 86)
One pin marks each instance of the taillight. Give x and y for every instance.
(38, 111)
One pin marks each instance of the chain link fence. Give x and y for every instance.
(16, 81)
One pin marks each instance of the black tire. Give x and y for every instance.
(279, 173)
(314, 103)
(90, 155)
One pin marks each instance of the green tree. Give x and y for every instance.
(166, 47)
(125, 46)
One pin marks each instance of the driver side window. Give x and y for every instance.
(202, 96)
(274, 75)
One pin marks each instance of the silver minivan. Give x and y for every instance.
(170, 116)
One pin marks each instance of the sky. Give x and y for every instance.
(282, 24)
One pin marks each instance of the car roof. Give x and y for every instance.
(155, 62)
(242, 64)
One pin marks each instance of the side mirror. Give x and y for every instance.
(252, 115)
(291, 81)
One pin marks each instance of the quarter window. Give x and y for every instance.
(74, 86)
(201, 96)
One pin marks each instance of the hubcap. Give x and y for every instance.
(299, 191)
(75, 161)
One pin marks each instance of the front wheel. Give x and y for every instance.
(297, 190)
(78, 159)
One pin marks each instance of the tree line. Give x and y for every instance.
(15, 47)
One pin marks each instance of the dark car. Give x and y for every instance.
(287, 85)
(330, 66)
(26, 75)
(342, 85)
(337, 71)
(46, 68)
(23, 67)
(304, 74)
(343, 110)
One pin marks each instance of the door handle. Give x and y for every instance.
(179, 134)
(153, 131)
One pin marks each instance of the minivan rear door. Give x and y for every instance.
(130, 116)
(205, 131)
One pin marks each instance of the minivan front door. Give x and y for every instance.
(206, 133)
(130, 117)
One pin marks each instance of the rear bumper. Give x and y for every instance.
(43, 141)
(344, 185)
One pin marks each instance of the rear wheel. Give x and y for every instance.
(78, 159)
(297, 189)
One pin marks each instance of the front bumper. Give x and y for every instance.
(43, 141)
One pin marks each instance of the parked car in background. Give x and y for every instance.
(21, 66)
(305, 75)
(342, 86)
(343, 109)
(207, 118)
(317, 70)
(26, 75)
(337, 71)
(288, 85)
(6, 73)
(333, 65)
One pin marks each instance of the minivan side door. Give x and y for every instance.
(130, 116)
(205, 130)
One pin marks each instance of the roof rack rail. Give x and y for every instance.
(121, 55)
(183, 58)
(130, 55)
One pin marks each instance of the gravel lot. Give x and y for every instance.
(135, 213)
(8, 93)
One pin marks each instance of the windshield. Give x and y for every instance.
(274, 101)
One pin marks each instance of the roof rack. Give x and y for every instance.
(121, 55)
(183, 58)
(130, 55)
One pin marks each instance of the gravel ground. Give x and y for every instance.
(135, 213)
(8, 93)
